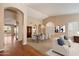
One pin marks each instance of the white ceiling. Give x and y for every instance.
(43, 10)
(53, 9)
(36, 14)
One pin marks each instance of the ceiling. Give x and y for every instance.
(43, 10)
(36, 14)
(53, 9)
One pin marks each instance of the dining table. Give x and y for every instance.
(37, 37)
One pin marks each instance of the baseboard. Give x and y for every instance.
(24, 43)
(1, 50)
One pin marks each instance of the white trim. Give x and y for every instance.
(2, 49)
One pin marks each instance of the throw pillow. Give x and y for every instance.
(60, 42)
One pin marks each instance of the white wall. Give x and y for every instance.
(1, 28)
(32, 21)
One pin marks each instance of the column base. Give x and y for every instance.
(24, 43)
(1, 50)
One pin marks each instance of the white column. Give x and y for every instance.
(66, 30)
(20, 26)
(25, 29)
(1, 28)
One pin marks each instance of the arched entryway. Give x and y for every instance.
(15, 7)
(13, 23)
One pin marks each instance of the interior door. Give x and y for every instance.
(29, 31)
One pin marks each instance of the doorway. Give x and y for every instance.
(13, 22)
(29, 31)
(10, 33)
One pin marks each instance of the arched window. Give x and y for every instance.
(49, 29)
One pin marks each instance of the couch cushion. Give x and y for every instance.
(60, 42)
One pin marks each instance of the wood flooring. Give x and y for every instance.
(17, 49)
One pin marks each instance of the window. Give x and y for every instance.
(49, 29)
(7, 29)
(73, 28)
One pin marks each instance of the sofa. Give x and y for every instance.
(70, 48)
(63, 50)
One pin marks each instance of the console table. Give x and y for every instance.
(76, 39)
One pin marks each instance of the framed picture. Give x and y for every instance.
(60, 29)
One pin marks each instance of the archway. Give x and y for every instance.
(13, 18)
(49, 29)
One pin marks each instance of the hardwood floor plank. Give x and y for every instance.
(17, 49)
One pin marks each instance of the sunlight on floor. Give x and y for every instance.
(8, 39)
(43, 45)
